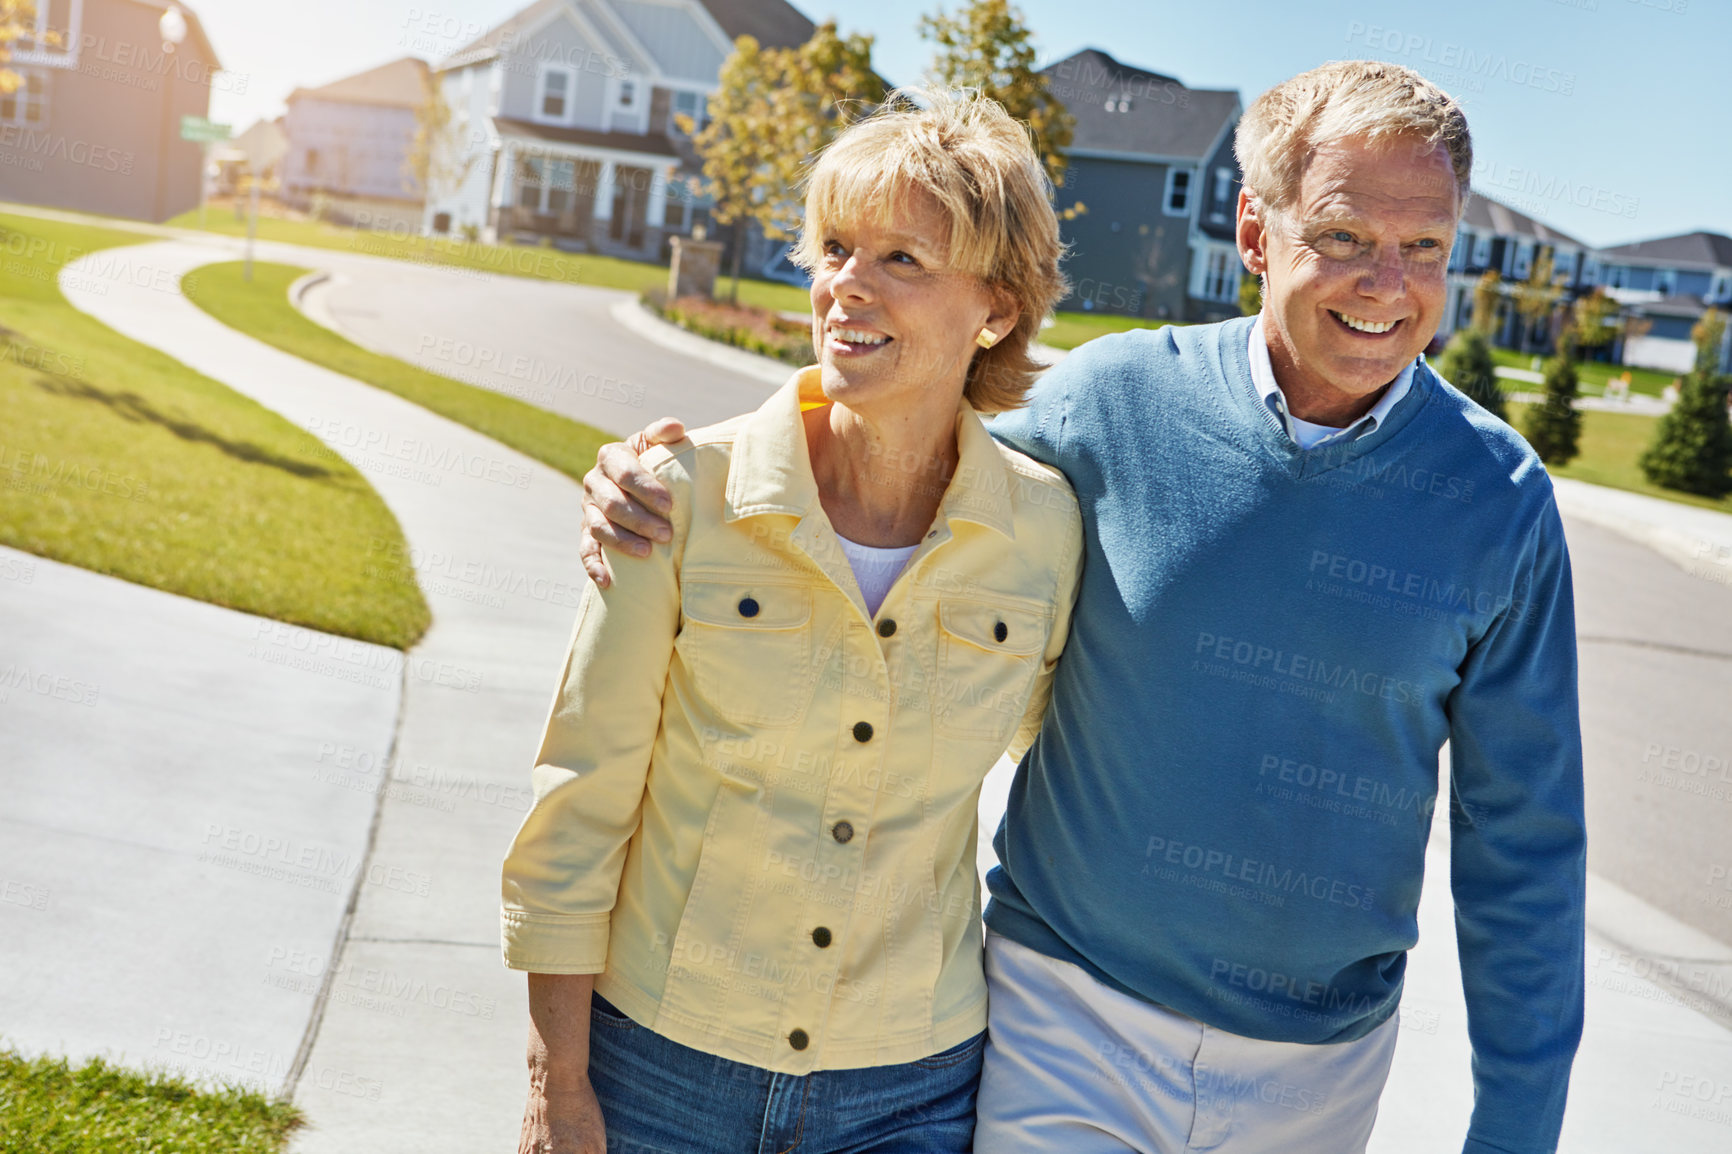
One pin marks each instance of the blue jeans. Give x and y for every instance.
(659, 1097)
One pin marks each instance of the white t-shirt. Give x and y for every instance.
(875, 569)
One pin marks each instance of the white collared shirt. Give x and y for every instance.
(1302, 432)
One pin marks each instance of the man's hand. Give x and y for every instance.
(563, 1121)
(624, 506)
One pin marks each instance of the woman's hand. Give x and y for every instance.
(563, 1115)
(565, 1120)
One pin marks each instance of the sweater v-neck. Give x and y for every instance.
(1265, 428)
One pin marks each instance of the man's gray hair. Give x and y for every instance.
(1368, 99)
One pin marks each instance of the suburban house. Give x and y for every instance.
(1151, 164)
(1492, 235)
(95, 125)
(1668, 283)
(349, 144)
(564, 128)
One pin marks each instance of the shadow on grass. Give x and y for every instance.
(132, 407)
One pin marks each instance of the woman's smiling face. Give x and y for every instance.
(891, 320)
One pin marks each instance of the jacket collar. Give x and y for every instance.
(770, 470)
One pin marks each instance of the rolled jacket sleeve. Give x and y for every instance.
(562, 873)
(1518, 853)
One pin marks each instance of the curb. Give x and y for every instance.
(631, 314)
(1687, 966)
(1698, 541)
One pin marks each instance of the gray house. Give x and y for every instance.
(1669, 282)
(564, 122)
(1152, 165)
(1492, 235)
(349, 142)
(95, 125)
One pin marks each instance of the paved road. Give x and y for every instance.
(1656, 669)
(554, 345)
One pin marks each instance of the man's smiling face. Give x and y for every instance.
(1354, 269)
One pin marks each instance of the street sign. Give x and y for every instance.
(202, 131)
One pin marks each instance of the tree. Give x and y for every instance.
(1692, 449)
(987, 46)
(1554, 426)
(1467, 364)
(773, 110)
(1536, 297)
(1594, 319)
(1487, 298)
(1250, 295)
(17, 21)
(437, 159)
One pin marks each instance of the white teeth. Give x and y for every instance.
(856, 337)
(1364, 326)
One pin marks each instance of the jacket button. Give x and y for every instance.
(1000, 631)
(821, 937)
(862, 731)
(887, 628)
(799, 1040)
(843, 831)
(749, 608)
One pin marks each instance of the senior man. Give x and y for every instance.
(1310, 563)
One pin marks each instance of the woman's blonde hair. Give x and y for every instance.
(1368, 99)
(980, 167)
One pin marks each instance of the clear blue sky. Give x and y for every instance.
(1607, 116)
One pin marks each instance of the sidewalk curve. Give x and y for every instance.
(418, 1028)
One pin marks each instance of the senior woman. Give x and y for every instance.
(746, 894)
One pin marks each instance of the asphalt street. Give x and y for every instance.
(553, 345)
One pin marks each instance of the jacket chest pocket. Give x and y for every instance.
(987, 659)
(748, 648)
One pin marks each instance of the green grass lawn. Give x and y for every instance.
(116, 458)
(1068, 330)
(1611, 444)
(261, 308)
(1593, 375)
(50, 1107)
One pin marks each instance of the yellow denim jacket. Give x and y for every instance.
(755, 804)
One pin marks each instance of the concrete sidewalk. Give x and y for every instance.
(416, 1022)
(179, 821)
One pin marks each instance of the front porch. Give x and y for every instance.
(581, 198)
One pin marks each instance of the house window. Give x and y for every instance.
(1615, 276)
(312, 162)
(1563, 267)
(495, 88)
(554, 102)
(1482, 250)
(1666, 281)
(692, 104)
(1177, 202)
(28, 103)
(1523, 261)
(1223, 185)
(627, 93)
(1721, 288)
(53, 33)
(1221, 276)
(1590, 271)
(546, 186)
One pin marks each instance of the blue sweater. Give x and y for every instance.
(1227, 809)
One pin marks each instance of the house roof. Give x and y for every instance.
(653, 143)
(195, 32)
(1488, 214)
(773, 23)
(399, 84)
(1697, 249)
(1687, 305)
(1162, 116)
